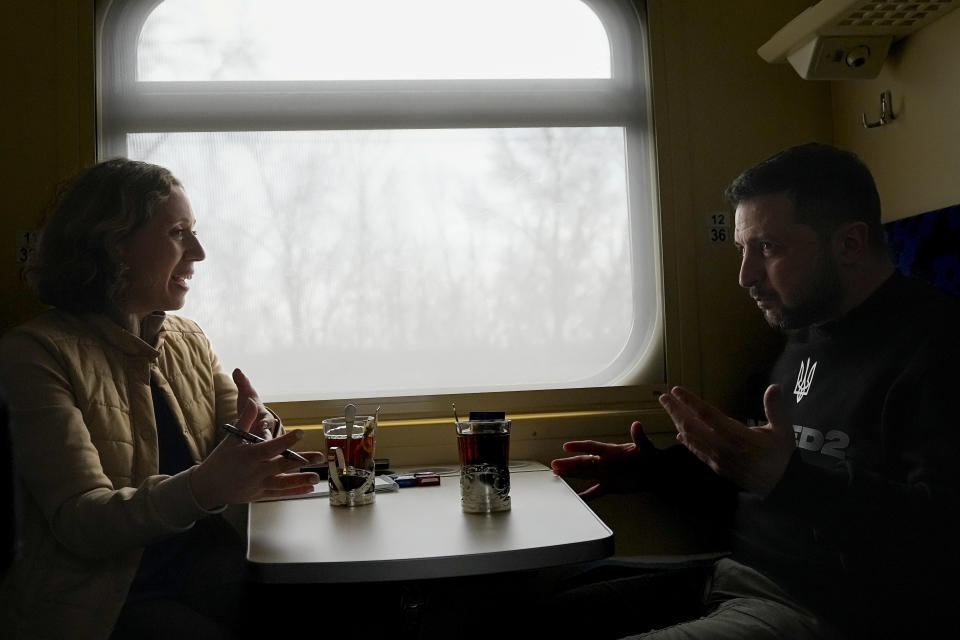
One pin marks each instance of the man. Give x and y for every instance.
(844, 504)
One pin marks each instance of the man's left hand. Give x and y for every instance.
(754, 458)
(264, 425)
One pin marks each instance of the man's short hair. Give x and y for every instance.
(828, 187)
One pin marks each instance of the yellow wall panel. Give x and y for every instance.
(915, 158)
(48, 132)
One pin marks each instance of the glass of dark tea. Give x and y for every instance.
(350, 444)
(483, 442)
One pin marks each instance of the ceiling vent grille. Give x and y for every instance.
(848, 39)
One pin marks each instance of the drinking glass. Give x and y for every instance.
(350, 449)
(484, 448)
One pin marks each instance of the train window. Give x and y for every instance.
(402, 198)
(371, 40)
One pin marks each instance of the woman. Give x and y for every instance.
(114, 414)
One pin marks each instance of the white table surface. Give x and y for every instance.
(421, 532)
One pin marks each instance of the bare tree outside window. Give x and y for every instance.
(341, 261)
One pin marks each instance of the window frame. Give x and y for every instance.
(127, 106)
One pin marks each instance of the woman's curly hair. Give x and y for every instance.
(76, 266)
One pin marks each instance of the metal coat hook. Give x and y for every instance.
(886, 112)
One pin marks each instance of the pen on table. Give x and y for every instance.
(250, 437)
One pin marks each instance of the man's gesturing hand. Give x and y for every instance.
(614, 467)
(754, 458)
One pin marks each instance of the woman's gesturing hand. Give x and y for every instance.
(238, 472)
(264, 425)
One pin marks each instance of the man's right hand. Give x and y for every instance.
(614, 467)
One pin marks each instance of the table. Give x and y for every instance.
(421, 533)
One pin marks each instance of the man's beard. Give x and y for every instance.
(820, 305)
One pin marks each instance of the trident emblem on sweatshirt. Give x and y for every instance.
(804, 379)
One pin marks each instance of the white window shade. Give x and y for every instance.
(411, 224)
